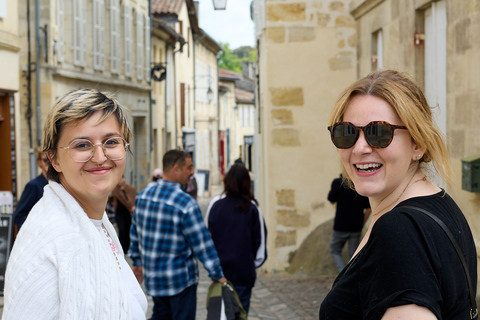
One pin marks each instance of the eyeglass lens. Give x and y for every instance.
(81, 150)
(377, 134)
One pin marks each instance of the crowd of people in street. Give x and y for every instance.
(415, 260)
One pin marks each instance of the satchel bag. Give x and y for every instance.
(473, 304)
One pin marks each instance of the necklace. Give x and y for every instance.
(112, 245)
(408, 185)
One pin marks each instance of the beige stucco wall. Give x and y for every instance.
(399, 25)
(9, 48)
(307, 54)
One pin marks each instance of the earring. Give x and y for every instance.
(418, 157)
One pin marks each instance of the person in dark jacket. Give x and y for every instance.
(351, 214)
(33, 191)
(238, 232)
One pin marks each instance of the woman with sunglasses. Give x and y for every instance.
(67, 262)
(405, 266)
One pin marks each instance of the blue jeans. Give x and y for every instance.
(244, 294)
(339, 238)
(181, 306)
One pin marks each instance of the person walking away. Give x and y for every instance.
(167, 235)
(351, 213)
(33, 191)
(405, 267)
(238, 232)
(124, 204)
(67, 262)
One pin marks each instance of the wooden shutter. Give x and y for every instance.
(128, 35)
(182, 104)
(147, 48)
(98, 35)
(79, 27)
(60, 39)
(140, 38)
(115, 36)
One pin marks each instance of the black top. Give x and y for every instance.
(350, 206)
(30, 196)
(237, 237)
(408, 259)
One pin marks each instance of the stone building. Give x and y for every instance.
(84, 44)
(191, 105)
(9, 92)
(306, 54)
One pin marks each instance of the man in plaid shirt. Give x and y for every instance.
(167, 235)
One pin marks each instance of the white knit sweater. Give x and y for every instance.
(59, 269)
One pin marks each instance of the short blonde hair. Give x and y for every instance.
(411, 106)
(75, 107)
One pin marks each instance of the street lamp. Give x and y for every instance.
(209, 94)
(219, 4)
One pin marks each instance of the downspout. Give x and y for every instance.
(175, 96)
(218, 116)
(149, 55)
(32, 156)
(37, 68)
(194, 101)
(166, 100)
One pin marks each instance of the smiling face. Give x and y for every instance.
(92, 181)
(377, 173)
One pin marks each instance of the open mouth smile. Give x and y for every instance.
(369, 167)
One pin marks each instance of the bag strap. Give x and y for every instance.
(473, 303)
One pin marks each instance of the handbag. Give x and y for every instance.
(473, 304)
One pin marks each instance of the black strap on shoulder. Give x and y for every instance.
(473, 308)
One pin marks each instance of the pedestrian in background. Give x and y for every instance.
(351, 214)
(405, 267)
(33, 191)
(168, 236)
(238, 232)
(157, 174)
(67, 262)
(123, 197)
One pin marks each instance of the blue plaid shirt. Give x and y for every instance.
(167, 234)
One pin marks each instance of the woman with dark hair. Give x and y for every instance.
(238, 232)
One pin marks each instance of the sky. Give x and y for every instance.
(232, 25)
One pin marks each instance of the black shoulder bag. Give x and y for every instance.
(473, 307)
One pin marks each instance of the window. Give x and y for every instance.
(3, 8)
(79, 32)
(377, 50)
(128, 36)
(98, 35)
(60, 39)
(115, 36)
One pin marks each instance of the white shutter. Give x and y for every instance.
(115, 36)
(147, 48)
(98, 35)
(140, 38)
(79, 26)
(60, 44)
(128, 30)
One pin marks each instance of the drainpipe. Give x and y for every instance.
(37, 68)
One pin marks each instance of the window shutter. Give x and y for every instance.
(147, 48)
(98, 35)
(140, 38)
(79, 26)
(115, 36)
(60, 45)
(127, 22)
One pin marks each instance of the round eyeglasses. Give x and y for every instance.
(81, 150)
(379, 134)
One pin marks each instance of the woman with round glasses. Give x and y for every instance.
(405, 266)
(67, 262)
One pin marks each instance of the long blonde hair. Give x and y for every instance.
(412, 108)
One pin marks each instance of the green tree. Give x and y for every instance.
(232, 59)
